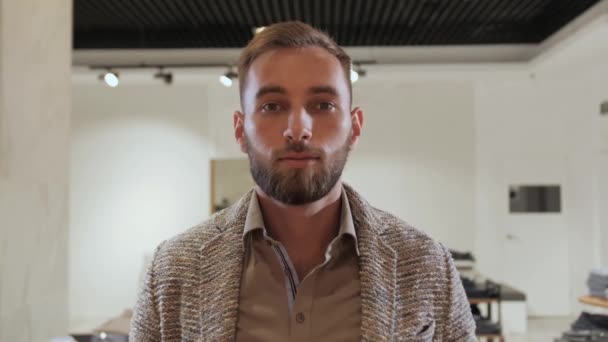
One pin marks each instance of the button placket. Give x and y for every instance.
(302, 309)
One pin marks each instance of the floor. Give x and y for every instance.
(543, 329)
(539, 329)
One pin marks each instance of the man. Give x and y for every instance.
(302, 256)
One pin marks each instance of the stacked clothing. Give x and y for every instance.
(113, 330)
(598, 282)
(587, 321)
(465, 263)
(587, 327)
(483, 325)
(464, 256)
(583, 336)
(488, 289)
(103, 337)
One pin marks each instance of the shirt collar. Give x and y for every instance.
(254, 219)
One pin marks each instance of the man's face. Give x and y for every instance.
(297, 127)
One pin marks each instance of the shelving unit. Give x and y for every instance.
(491, 337)
(489, 302)
(595, 301)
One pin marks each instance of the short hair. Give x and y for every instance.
(290, 34)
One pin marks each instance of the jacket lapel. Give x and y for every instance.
(378, 272)
(221, 263)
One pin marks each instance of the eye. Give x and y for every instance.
(271, 107)
(325, 106)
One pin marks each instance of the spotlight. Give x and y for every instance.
(354, 76)
(226, 79)
(110, 78)
(167, 77)
(356, 71)
(257, 30)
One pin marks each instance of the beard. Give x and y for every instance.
(298, 186)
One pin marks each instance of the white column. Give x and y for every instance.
(602, 208)
(35, 100)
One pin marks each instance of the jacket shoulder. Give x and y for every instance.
(183, 249)
(408, 240)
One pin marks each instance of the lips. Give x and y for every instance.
(299, 156)
(298, 160)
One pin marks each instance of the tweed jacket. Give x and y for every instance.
(410, 289)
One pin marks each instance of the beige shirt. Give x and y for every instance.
(275, 305)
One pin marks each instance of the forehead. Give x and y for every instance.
(296, 68)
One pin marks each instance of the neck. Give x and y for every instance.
(304, 230)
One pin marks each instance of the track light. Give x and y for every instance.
(354, 76)
(226, 79)
(167, 77)
(110, 78)
(259, 29)
(356, 71)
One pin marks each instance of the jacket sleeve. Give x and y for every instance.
(458, 322)
(145, 323)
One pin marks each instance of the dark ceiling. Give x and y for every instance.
(128, 24)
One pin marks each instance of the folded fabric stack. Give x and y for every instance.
(587, 327)
(464, 261)
(483, 325)
(595, 322)
(598, 282)
(583, 336)
(488, 289)
(113, 330)
(465, 256)
(103, 337)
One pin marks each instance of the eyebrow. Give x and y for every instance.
(324, 90)
(280, 90)
(270, 89)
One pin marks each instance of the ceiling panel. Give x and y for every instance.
(133, 24)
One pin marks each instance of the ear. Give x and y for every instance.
(357, 125)
(239, 130)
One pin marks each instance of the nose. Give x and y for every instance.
(299, 126)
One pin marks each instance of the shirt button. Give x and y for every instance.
(300, 317)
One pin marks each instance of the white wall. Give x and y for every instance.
(604, 132)
(603, 207)
(139, 175)
(416, 155)
(536, 131)
(546, 123)
(602, 171)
